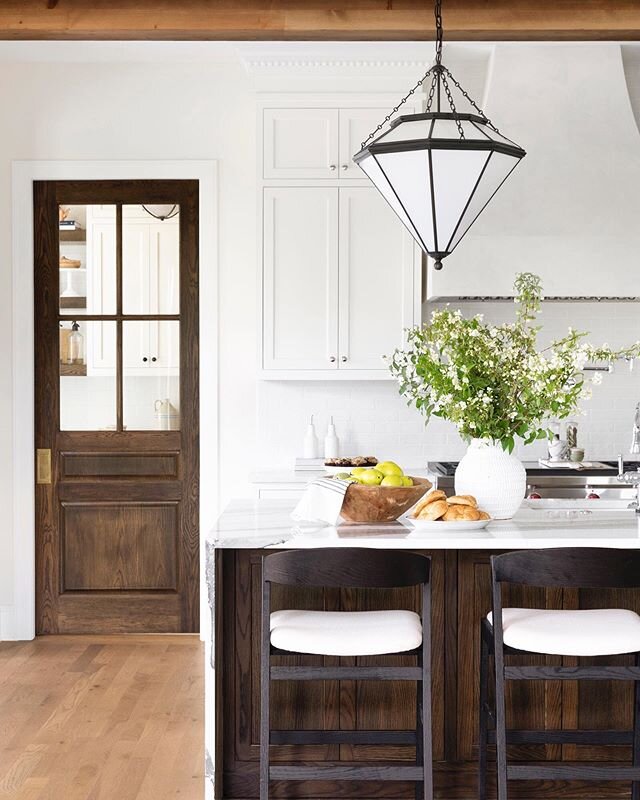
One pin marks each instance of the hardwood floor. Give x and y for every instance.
(102, 718)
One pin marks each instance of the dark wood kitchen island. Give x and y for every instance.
(461, 597)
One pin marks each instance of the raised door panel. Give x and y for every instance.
(300, 282)
(119, 546)
(530, 704)
(378, 280)
(300, 143)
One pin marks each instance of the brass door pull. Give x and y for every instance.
(43, 466)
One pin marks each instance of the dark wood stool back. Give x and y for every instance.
(349, 568)
(571, 568)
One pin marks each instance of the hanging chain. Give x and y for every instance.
(470, 100)
(396, 108)
(439, 74)
(439, 32)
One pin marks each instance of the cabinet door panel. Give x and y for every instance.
(377, 276)
(355, 126)
(300, 278)
(164, 260)
(300, 143)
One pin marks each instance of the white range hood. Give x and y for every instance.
(571, 211)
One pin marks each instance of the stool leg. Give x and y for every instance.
(265, 681)
(425, 688)
(482, 760)
(501, 725)
(635, 792)
(419, 735)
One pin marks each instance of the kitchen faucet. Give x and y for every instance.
(631, 477)
(635, 439)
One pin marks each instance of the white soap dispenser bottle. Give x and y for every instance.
(331, 442)
(310, 448)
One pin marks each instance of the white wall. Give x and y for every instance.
(372, 419)
(135, 101)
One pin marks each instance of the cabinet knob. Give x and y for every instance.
(144, 358)
(343, 359)
(154, 359)
(332, 167)
(332, 359)
(345, 166)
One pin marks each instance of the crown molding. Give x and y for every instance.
(271, 66)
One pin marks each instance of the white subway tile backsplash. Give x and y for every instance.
(372, 419)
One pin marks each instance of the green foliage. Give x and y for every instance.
(491, 381)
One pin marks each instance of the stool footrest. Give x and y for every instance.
(346, 673)
(342, 737)
(572, 673)
(346, 772)
(570, 772)
(605, 737)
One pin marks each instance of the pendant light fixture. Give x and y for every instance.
(438, 170)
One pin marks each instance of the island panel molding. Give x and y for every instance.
(239, 20)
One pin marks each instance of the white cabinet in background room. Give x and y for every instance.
(341, 276)
(150, 282)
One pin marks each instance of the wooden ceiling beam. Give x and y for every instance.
(356, 20)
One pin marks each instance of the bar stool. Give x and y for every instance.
(347, 633)
(589, 632)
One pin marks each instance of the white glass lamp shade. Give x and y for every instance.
(437, 182)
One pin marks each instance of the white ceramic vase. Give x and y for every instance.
(496, 479)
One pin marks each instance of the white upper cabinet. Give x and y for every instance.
(377, 272)
(300, 279)
(301, 143)
(355, 126)
(316, 143)
(341, 277)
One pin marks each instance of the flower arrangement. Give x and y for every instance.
(492, 381)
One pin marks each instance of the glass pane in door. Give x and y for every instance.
(87, 367)
(87, 262)
(151, 375)
(150, 259)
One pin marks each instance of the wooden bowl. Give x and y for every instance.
(381, 503)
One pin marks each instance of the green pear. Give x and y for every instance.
(393, 480)
(370, 477)
(389, 468)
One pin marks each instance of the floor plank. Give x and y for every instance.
(102, 717)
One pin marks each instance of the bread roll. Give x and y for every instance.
(463, 500)
(434, 510)
(460, 513)
(431, 497)
(484, 515)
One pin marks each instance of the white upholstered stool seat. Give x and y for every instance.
(345, 633)
(584, 632)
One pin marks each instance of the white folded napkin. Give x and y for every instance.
(321, 501)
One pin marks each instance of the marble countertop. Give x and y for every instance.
(266, 523)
